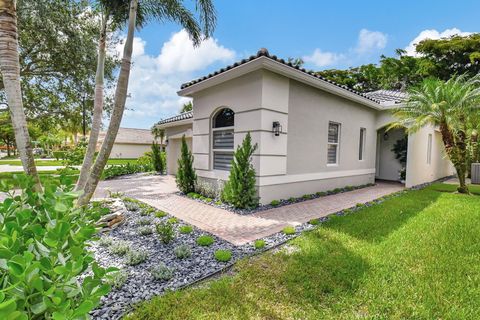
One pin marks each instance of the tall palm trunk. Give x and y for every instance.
(10, 67)
(118, 109)
(97, 107)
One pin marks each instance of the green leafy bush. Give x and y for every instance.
(146, 211)
(182, 251)
(161, 272)
(157, 158)
(43, 251)
(259, 244)
(292, 199)
(131, 206)
(105, 241)
(117, 279)
(144, 222)
(75, 156)
(144, 230)
(186, 177)
(120, 247)
(289, 230)
(185, 229)
(274, 203)
(172, 220)
(205, 240)
(307, 196)
(320, 194)
(135, 257)
(223, 255)
(160, 214)
(59, 155)
(165, 232)
(314, 222)
(123, 169)
(240, 190)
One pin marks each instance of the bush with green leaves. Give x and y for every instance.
(105, 241)
(240, 190)
(186, 176)
(205, 241)
(165, 232)
(120, 247)
(144, 230)
(157, 158)
(289, 230)
(43, 252)
(185, 229)
(223, 255)
(135, 257)
(274, 203)
(161, 272)
(124, 169)
(160, 214)
(59, 155)
(172, 220)
(74, 157)
(259, 244)
(144, 222)
(182, 251)
(131, 206)
(314, 222)
(117, 279)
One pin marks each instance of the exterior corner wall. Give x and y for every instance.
(128, 150)
(388, 167)
(173, 135)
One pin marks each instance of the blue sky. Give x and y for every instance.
(327, 34)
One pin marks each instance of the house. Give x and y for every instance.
(130, 143)
(312, 134)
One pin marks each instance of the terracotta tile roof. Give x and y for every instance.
(178, 117)
(394, 96)
(264, 53)
(130, 136)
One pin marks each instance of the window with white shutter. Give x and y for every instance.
(333, 142)
(223, 139)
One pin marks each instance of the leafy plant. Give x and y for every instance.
(75, 156)
(144, 222)
(223, 255)
(185, 229)
(105, 241)
(172, 220)
(146, 211)
(307, 196)
(165, 232)
(160, 214)
(274, 203)
(314, 222)
(144, 230)
(205, 240)
(117, 279)
(43, 251)
(321, 194)
(161, 272)
(259, 244)
(182, 251)
(157, 159)
(135, 257)
(120, 247)
(186, 176)
(131, 206)
(124, 169)
(289, 230)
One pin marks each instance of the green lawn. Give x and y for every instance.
(40, 162)
(416, 256)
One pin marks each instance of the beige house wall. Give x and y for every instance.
(174, 136)
(387, 167)
(129, 151)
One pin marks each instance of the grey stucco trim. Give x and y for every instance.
(261, 108)
(201, 134)
(258, 130)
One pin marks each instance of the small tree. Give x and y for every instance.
(157, 158)
(240, 188)
(186, 176)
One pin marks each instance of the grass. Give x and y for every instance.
(414, 256)
(42, 163)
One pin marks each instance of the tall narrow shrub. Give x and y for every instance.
(186, 176)
(240, 189)
(157, 160)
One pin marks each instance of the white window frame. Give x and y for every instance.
(362, 140)
(429, 148)
(337, 144)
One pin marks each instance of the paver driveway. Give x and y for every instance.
(159, 192)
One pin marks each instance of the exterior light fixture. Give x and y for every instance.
(276, 128)
(385, 136)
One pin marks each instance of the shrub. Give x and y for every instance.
(289, 230)
(105, 241)
(145, 160)
(314, 222)
(135, 257)
(185, 229)
(274, 203)
(161, 272)
(160, 214)
(320, 194)
(292, 199)
(44, 241)
(144, 222)
(59, 155)
(131, 206)
(208, 199)
(337, 190)
(120, 247)
(207, 189)
(146, 211)
(218, 203)
(182, 251)
(360, 205)
(307, 196)
(205, 241)
(259, 244)
(123, 169)
(186, 176)
(144, 230)
(240, 190)
(158, 164)
(165, 232)
(349, 188)
(117, 279)
(223, 255)
(172, 220)
(75, 156)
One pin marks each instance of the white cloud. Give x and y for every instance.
(323, 58)
(155, 79)
(369, 41)
(433, 34)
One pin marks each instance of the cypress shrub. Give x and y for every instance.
(186, 176)
(157, 160)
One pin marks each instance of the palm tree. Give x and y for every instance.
(10, 69)
(158, 134)
(148, 9)
(449, 106)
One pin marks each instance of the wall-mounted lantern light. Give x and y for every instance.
(276, 128)
(385, 136)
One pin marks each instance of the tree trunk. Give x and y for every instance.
(117, 114)
(97, 108)
(461, 162)
(10, 67)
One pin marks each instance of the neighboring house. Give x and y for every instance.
(130, 143)
(312, 134)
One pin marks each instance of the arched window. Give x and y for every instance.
(222, 139)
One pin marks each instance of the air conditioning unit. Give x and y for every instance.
(475, 173)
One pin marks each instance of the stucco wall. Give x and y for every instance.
(387, 166)
(174, 145)
(130, 151)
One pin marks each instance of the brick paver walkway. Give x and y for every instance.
(159, 192)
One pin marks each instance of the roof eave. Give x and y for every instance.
(174, 123)
(280, 68)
